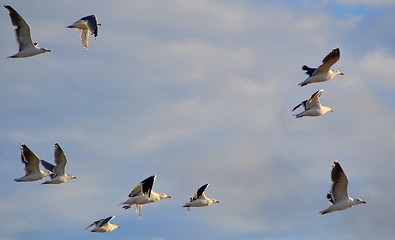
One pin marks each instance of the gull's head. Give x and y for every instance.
(48, 173)
(41, 49)
(71, 176)
(360, 201)
(215, 200)
(338, 72)
(164, 195)
(45, 50)
(327, 109)
(116, 226)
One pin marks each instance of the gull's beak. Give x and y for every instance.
(341, 73)
(364, 202)
(168, 196)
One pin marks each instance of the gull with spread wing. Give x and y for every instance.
(103, 225)
(323, 72)
(312, 106)
(199, 199)
(32, 166)
(22, 31)
(59, 175)
(142, 193)
(338, 196)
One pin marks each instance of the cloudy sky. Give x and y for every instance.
(197, 92)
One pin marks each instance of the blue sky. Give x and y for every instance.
(200, 92)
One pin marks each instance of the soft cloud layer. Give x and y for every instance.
(199, 92)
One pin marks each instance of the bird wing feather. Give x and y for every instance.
(339, 183)
(328, 61)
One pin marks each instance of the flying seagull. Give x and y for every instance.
(59, 175)
(103, 225)
(338, 196)
(199, 199)
(32, 166)
(323, 72)
(26, 46)
(86, 25)
(142, 194)
(312, 106)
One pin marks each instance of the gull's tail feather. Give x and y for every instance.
(309, 70)
(302, 84)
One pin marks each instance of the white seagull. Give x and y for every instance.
(338, 196)
(26, 46)
(142, 194)
(312, 106)
(103, 225)
(59, 175)
(86, 25)
(199, 199)
(32, 166)
(323, 72)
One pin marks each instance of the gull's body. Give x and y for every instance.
(142, 194)
(103, 225)
(32, 166)
(87, 25)
(312, 106)
(59, 175)
(199, 199)
(26, 46)
(323, 72)
(338, 197)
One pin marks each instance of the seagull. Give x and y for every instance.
(199, 199)
(312, 106)
(26, 46)
(32, 169)
(338, 196)
(323, 72)
(59, 175)
(104, 225)
(86, 24)
(142, 194)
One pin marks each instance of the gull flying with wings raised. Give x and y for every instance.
(312, 106)
(59, 175)
(323, 72)
(22, 31)
(338, 196)
(103, 225)
(199, 199)
(142, 193)
(32, 166)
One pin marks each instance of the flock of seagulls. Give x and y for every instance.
(312, 106)
(32, 167)
(142, 192)
(338, 196)
(87, 25)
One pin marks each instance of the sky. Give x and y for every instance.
(199, 92)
